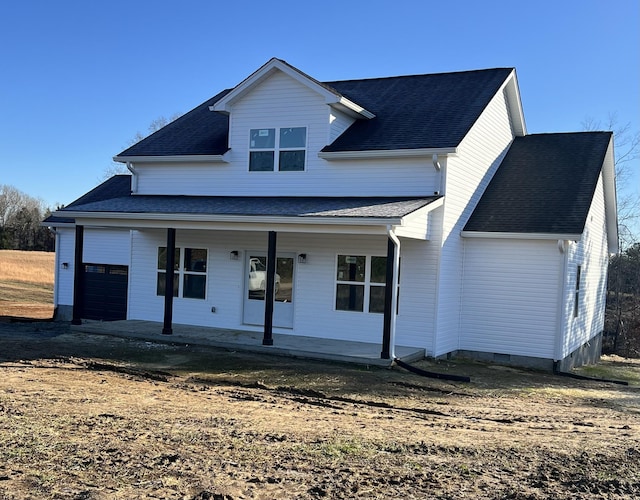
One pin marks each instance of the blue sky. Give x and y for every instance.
(80, 78)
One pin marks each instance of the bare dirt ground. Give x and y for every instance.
(84, 417)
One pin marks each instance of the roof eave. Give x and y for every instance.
(263, 219)
(610, 199)
(173, 159)
(521, 236)
(387, 153)
(514, 102)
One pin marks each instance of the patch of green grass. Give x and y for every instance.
(628, 372)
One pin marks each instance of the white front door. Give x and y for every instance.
(255, 286)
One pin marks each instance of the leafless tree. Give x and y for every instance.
(20, 217)
(118, 168)
(627, 151)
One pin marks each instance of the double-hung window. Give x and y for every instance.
(190, 273)
(277, 149)
(360, 283)
(576, 299)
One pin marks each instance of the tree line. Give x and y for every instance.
(21, 216)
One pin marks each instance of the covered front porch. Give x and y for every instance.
(241, 340)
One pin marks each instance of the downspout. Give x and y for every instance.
(563, 248)
(134, 177)
(394, 294)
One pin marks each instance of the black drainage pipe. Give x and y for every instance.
(592, 379)
(424, 373)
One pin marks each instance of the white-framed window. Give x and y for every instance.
(277, 149)
(190, 273)
(360, 283)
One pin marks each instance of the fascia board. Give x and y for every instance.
(225, 104)
(386, 153)
(301, 226)
(521, 236)
(234, 219)
(172, 159)
(515, 104)
(610, 199)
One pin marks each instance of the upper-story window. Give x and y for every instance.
(277, 149)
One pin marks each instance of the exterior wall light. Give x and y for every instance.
(234, 255)
(302, 258)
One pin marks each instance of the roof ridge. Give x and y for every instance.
(443, 73)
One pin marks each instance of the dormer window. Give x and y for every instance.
(282, 149)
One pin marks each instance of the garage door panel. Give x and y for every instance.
(105, 292)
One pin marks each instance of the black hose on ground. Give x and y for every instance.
(424, 373)
(592, 379)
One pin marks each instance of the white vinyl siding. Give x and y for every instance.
(314, 285)
(467, 176)
(100, 246)
(511, 296)
(64, 278)
(339, 122)
(591, 254)
(107, 246)
(280, 101)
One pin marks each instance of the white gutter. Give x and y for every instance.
(139, 216)
(521, 236)
(172, 159)
(134, 177)
(386, 153)
(394, 294)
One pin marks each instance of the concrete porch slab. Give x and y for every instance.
(241, 340)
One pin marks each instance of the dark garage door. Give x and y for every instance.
(105, 292)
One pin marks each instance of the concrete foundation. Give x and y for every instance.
(587, 354)
(63, 313)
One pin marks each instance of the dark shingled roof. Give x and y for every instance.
(422, 111)
(114, 195)
(545, 184)
(412, 112)
(198, 132)
(114, 187)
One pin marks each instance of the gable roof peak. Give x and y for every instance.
(332, 97)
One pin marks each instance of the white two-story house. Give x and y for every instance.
(403, 211)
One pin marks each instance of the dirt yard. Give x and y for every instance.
(91, 417)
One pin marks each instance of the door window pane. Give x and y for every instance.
(284, 279)
(257, 277)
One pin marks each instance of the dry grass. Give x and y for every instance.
(27, 267)
(26, 284)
